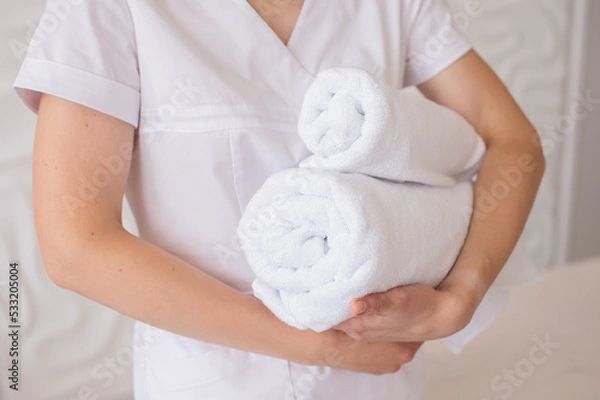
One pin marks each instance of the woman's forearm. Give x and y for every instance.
(504, 193)
(509, 176)
(85, 249)
(149, 284)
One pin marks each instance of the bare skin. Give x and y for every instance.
(90, 252)
(280, 15)
(418, 313)
(415, 313)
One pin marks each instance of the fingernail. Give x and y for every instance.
(361, 306)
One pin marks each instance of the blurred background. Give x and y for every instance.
(548, 54)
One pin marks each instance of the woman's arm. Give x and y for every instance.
(504, 192)
(86, 249)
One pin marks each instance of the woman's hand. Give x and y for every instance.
(338, 350)
(96, 257)
(409, 313)
(416, 313)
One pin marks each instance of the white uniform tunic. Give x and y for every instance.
(215, 96)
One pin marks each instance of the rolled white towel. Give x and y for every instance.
(353, 122)
(318, 239)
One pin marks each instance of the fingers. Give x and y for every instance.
(378, 303)
(358, 307)
(368, 327)
(409, 351)
(350, 327)
(400, 314)
(415, 346)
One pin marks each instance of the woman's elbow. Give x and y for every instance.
(538, 157)
(59, 260)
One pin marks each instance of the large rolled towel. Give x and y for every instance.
(318, 239)
(353, 122)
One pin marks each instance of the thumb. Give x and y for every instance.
(378, 303)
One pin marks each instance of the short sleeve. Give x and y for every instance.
(84, 51)
(435, 40)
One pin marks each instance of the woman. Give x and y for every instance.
(190, 106)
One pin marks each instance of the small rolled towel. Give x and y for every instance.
(353, 122)
(318, 239)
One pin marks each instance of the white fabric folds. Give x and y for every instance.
(353, 122)
(385, 200)
(318, 239)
